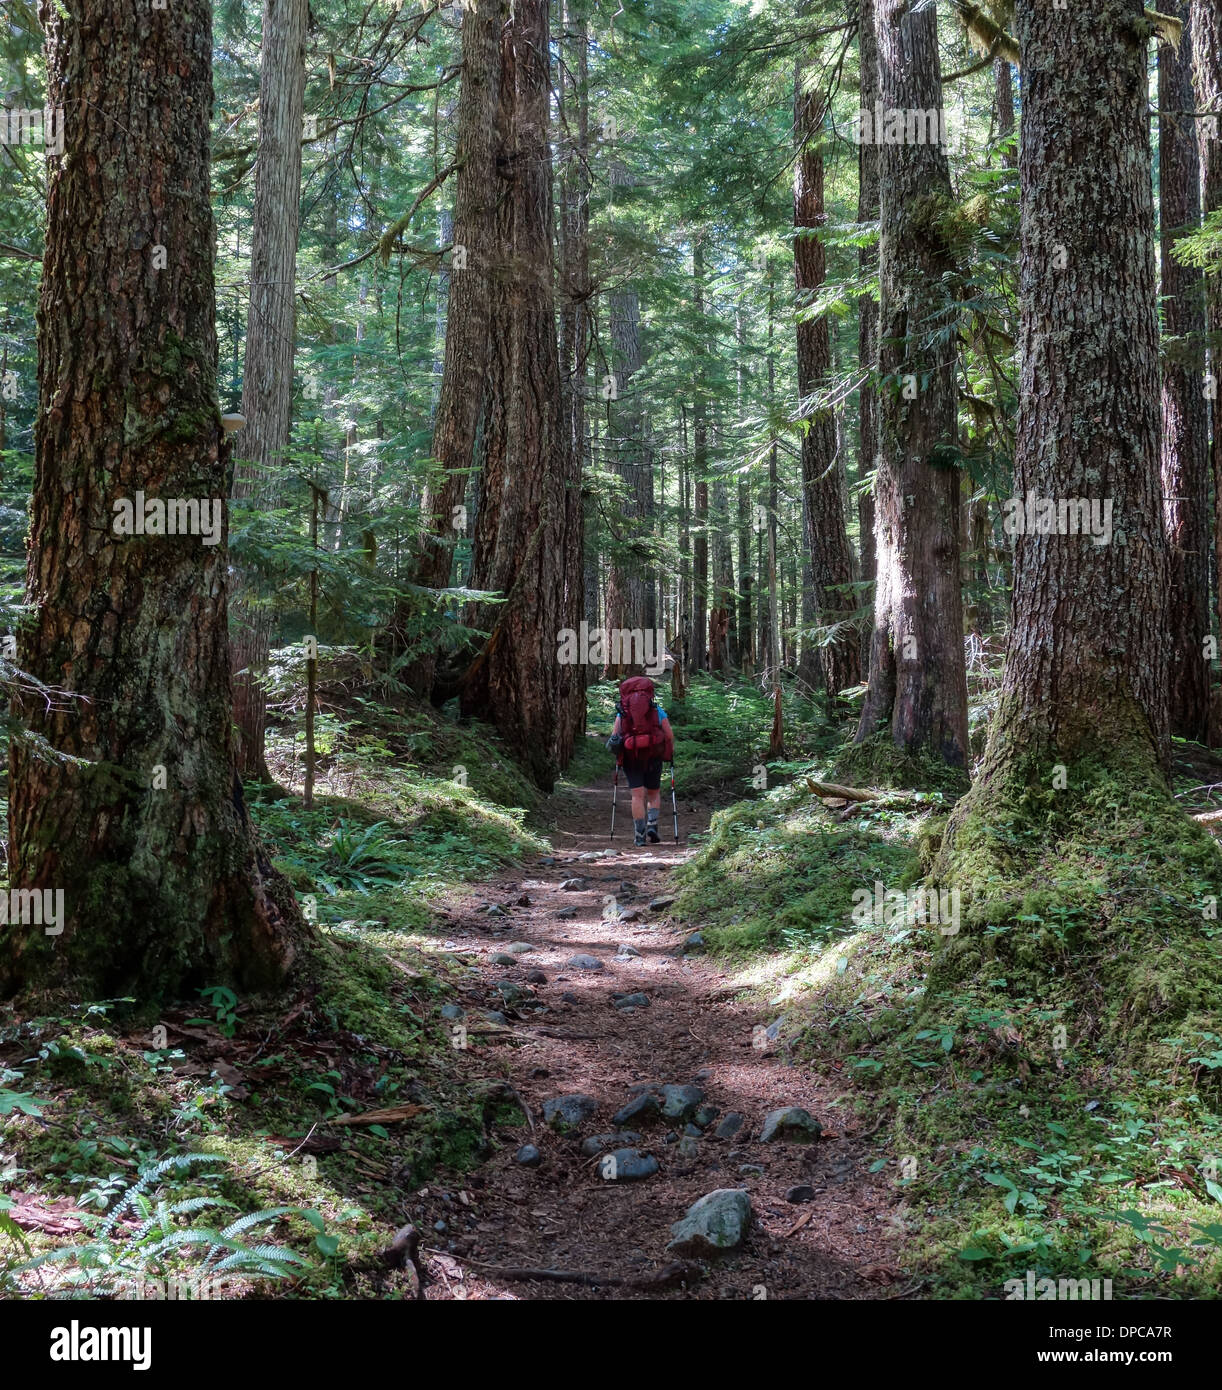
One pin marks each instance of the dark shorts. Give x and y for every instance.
(648, 775)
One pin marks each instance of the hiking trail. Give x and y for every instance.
(563, 1036)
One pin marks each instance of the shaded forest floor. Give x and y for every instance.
(398, 1084)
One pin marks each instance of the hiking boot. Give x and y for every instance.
(654, 837)
(640, 839)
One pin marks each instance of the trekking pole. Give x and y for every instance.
(673, 805)
(614, 799)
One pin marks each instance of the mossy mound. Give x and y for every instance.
(877, 762)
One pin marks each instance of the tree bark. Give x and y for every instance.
(267, 380)
(1185, 414)
(823, 502)
(125, 792)
(867, 305)
(918, 685)
(528, 529)
(1086, 662)
(700, 467)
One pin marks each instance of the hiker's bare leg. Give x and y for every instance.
(655, 797)
(638, 803)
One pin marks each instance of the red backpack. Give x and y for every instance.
(645, 735)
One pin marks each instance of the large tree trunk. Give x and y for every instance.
(1185, 413)
(1086, 663)
(918, 686)
(1206, 23)
(472, 265)
(125, 793)
(867, 306)
(823, 500)
(528, 529)
(700, 468)
(267, 382)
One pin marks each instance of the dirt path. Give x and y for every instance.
(563, 1214)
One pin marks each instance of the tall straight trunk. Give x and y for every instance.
(527, 542)
(700, 467)
(472, 266)
(575, 336)
(721, 618)
(918, 685)
(744, 653)
(267, 382)
(1206, 25)
(124, 789)
(831, 557)
(867, 305)
(1003, 109)
(1086, 663)
(1185, 413)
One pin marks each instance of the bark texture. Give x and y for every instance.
(528, 531)
(1185, 414)
(124, 790)
(918, 686)
(271, 334)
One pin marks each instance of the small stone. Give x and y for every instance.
(718, 1221)
(730, 1126)
(567, 1112)
(644, 1107)
(627, 1165)
(792, 1122)
(689, 1148)
(705, 1116)
(632, 915)
(584, 962)
(681, 1102)
(632, 1001)
(624, 950)
(597, 1143)
(802, 1193)
(568, 997)
(695, 942)
(565, 913)
(452, 1011)
(528, 1156)
(513, 994)
(536, 977)
(523, 901)
(495, 1016)
(497, 911)
(773, 1031)
(751, 1170)
(440, 1227)
(502, 958)
(691, 1132)
(656, 903)
(519, 948)
(572, 885)
(547, 862)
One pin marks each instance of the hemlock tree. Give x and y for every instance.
(1071, 818)
(1185, 411)
(917, 684)
(267, 380)
(124, 790)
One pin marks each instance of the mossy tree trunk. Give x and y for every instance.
(124, 792)
(917, 685)
(1185, 447)
(867, 306)
(1086, 663)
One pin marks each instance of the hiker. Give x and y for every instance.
(642, 741)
